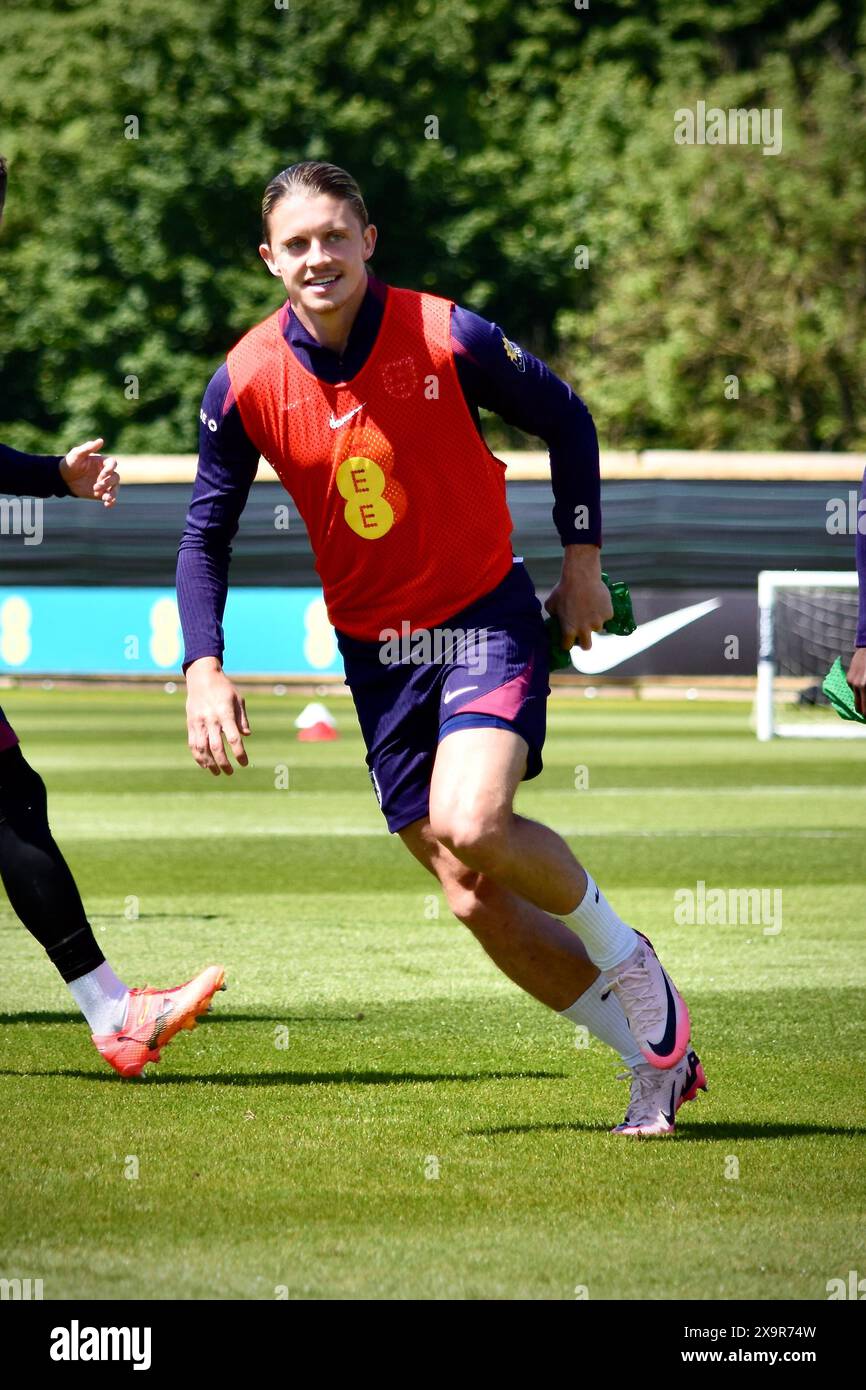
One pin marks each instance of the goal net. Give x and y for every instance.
(807, 618)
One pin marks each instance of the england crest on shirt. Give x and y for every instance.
(400, 378)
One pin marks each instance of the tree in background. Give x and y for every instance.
(493, 142)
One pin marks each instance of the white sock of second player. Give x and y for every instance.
(102, 998)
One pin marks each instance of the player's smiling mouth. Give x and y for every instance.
(322, 283)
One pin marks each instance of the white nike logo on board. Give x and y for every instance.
(335, 424)
(608, 651)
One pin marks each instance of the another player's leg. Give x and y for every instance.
(154, 1017)
(475, 776)
(129, 1027)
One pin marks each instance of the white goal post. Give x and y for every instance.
(772, 583)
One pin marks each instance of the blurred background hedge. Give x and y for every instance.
(136, 257)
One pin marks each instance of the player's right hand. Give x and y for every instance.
(87, 473)
(857, 679)
(214, 712)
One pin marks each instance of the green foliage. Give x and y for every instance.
(137, 257)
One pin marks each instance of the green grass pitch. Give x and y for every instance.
(372, 1111)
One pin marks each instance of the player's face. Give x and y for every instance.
(318, 248)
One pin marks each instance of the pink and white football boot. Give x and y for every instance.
(655, 1009)
(656, 1096)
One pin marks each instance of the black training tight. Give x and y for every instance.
(35, 875)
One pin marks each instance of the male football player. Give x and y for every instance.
(364, 398)
(128, 1027)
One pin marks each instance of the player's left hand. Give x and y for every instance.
(581, 601)
(857, 679)
(87, 473)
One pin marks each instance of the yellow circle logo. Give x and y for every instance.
(362, 482)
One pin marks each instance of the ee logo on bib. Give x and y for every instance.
(374, 501)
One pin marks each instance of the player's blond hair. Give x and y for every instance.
(313, 176)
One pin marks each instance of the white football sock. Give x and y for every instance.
(605, 1019)
(608, 940)
(102, 998)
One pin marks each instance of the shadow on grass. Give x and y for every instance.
(119, 919)
(70, 1016)
(688, 1132)
(293, 1078)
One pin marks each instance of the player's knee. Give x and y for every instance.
(473, 834)
(464, 897)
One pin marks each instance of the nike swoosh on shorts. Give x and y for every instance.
(452, 694)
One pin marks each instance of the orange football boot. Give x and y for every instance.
(153, 1017)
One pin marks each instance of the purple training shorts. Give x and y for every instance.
(487, 666)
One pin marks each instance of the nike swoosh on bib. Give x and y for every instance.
(335, 424)
(607, 652)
